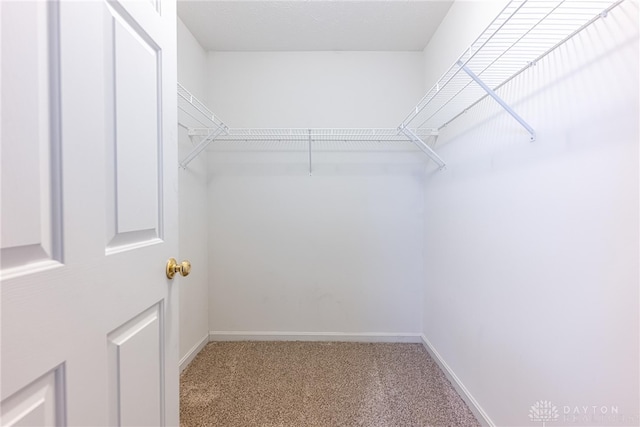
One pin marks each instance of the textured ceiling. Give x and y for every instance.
(318, 25)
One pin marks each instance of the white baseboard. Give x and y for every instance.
(471, 402)
(193, 352)
(315, 336)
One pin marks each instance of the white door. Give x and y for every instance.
(89, 213)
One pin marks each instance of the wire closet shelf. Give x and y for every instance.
(197, 112)
(314, 134)
(197, 115)
(523, 33)
(202, 123)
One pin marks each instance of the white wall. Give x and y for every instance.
(194, 293)
(531, 249)
(315, 89)
(339, 251)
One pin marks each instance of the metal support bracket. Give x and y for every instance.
(499, 100)
(422, 146)
(202, 145)
(310, 164)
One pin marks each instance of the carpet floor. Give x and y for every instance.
(303, 384)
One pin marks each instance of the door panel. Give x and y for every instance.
(31, 226)
(38, 404)
(89, 325)
(136, 360)
(134, 214)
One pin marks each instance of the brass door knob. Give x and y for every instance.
(184, 268)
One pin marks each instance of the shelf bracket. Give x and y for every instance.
(202, 145)
(499, 100)
(422, 146)
(310, 167)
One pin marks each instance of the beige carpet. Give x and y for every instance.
(318, 384)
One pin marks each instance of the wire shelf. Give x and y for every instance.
(213, 129)
(196, 110)
(198, 113)
(523, 33)
(314, 135)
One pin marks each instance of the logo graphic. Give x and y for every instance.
(543, 411)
